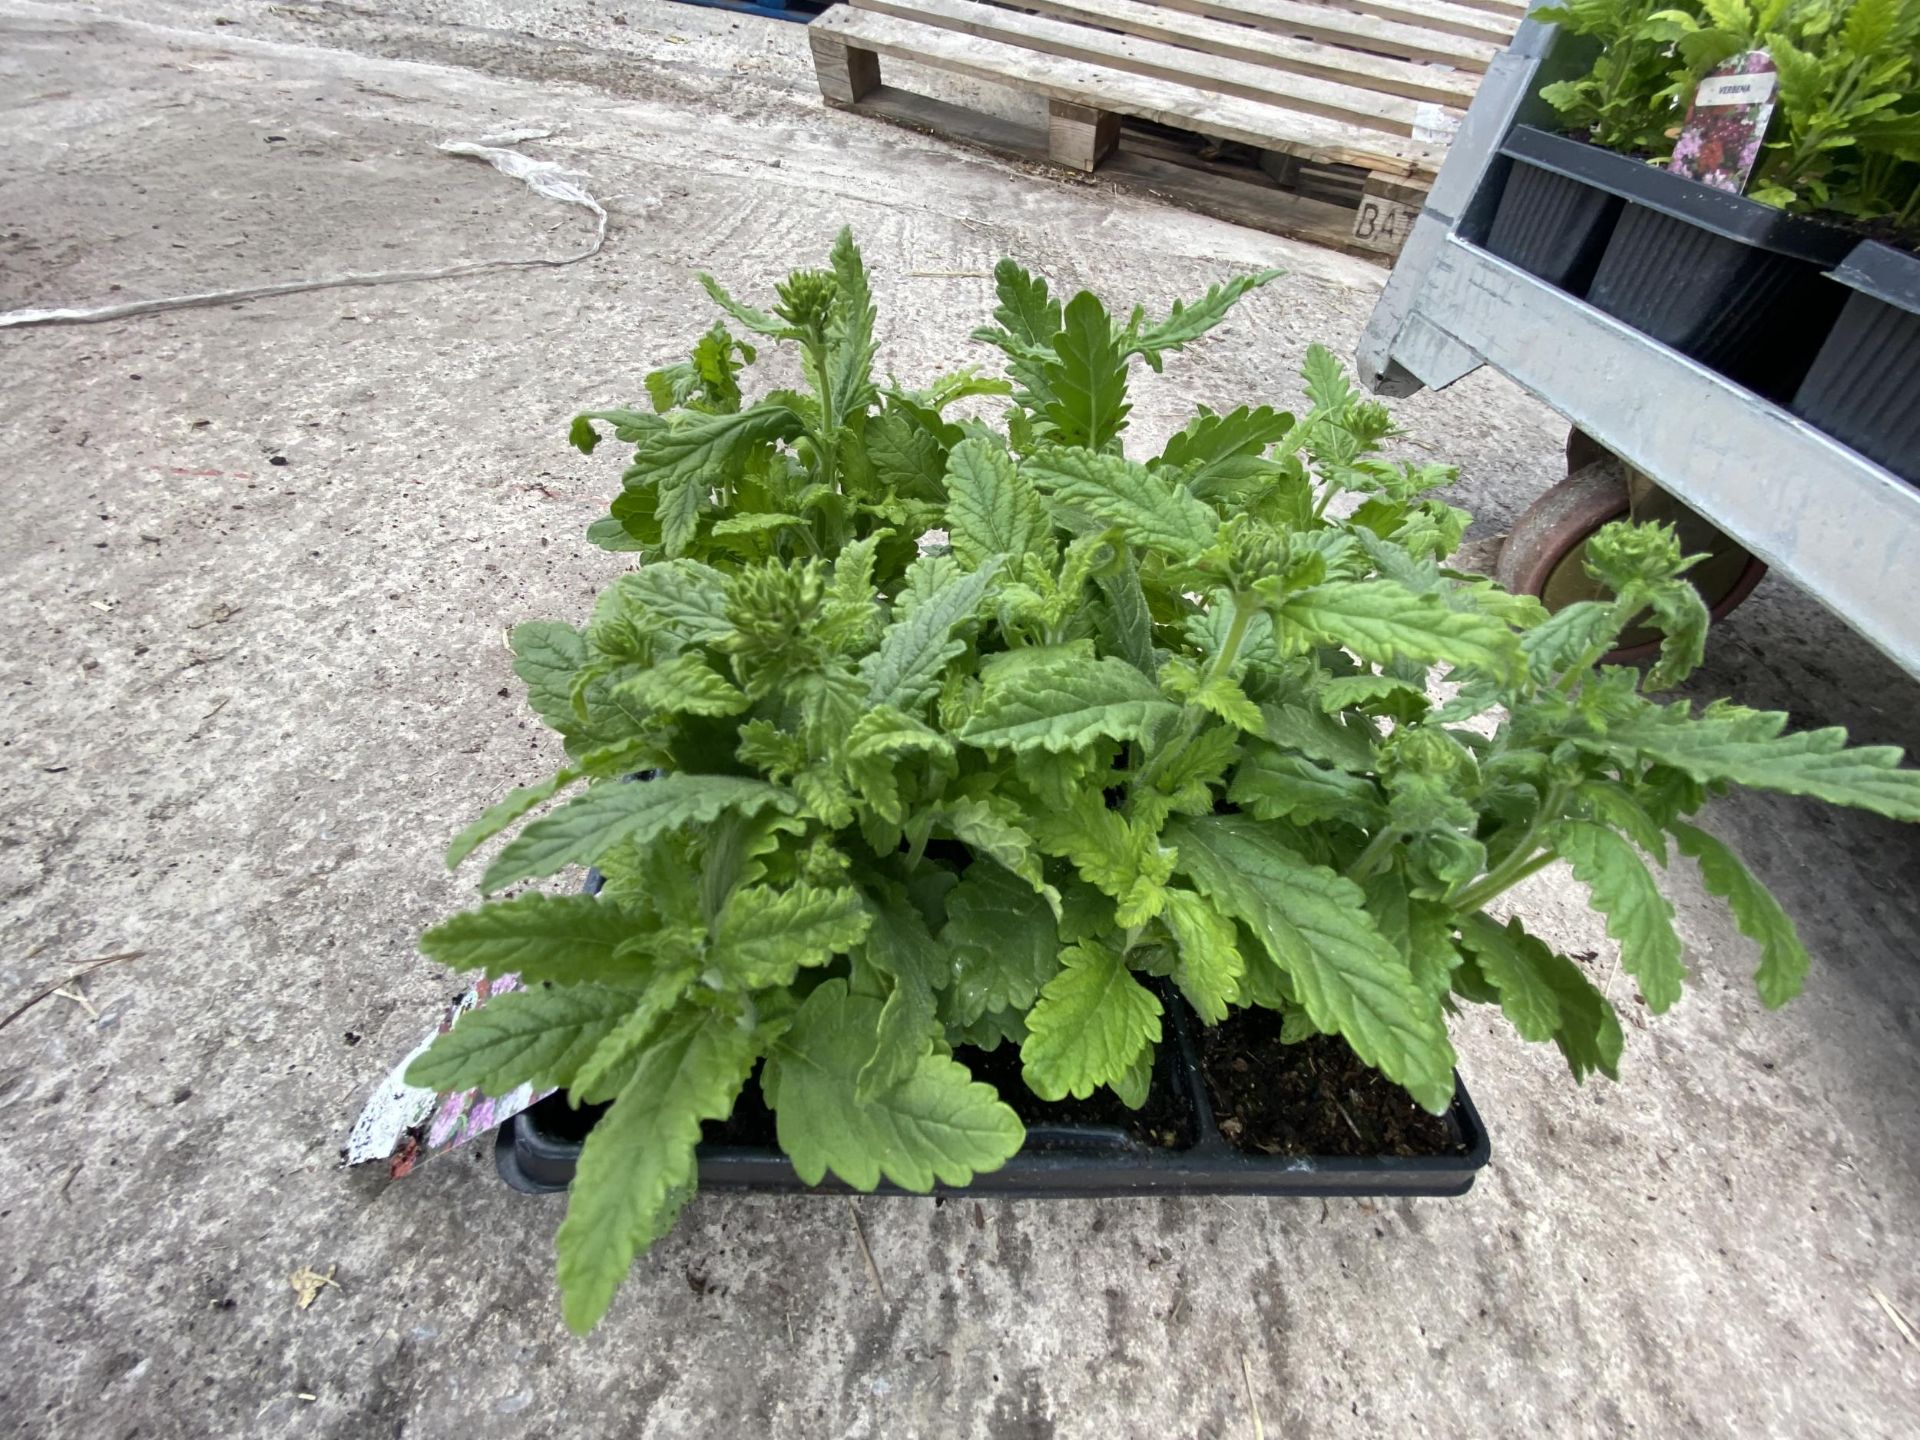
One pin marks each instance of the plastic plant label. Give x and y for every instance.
(402, 1124)
(1720, 140)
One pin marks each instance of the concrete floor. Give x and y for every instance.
(246, 702)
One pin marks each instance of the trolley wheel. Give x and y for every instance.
(1546, 553)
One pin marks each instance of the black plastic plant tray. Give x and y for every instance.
(1734, 284)
(1864, 389)
(1553, 221)
(536, 1153)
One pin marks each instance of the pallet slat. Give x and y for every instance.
(1228, 117)
(1257, 206)
(1440, 15)
(1342, 27)
(1283, 52)
(1311, 95)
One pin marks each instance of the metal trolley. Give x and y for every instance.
(1655, 434)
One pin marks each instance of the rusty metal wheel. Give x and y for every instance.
(1545, 555)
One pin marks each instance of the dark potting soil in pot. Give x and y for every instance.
(1163, 1121)
(1312, 1098)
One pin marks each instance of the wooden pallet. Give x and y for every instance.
(1337, 93)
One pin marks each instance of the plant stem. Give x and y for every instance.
(1193, 716)
(1375, 856)
(1521, 861)
(1497, 882)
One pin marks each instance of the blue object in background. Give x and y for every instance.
(798, 11)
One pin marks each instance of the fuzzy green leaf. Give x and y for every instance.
(992, 508)
(609, 814)
(615, 1055)
(568, 939)
(1278, 785)
(1089, 378)
(1002, 942)
(985, 830)
(765, 936)
(637, 1169)
(538, 1037)
(1149, 509)
(1316, 928)
(1381, 621)
(684, 685)
(1089, 1026)
(1210, 964)
(1121, 858)
(502, 813)
(1638, 915)
(1511, 960)
(1589, 1035)
(1186, 323)
(1059, 700)
(683, 460)
(936, 1124)
(900, 946)
(904, 671)
(1783, 959)
(1730, 742)
(850, 344)
(682, 597)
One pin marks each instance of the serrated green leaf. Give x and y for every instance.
(1319, 736)
(1512, 962)
(992, 508)
(636, 1171)
(1381, 621)
(1027, 310)
(1219, 455)
(1730, 742)
(765, 936)
(1059, 700)
(936, 1124)
(1638, 915)
(502, 813)
(1279, 785)
(1185, 323)
(900, 946)
(546, 657)
(1149, 509)
(1210, 964)
(1315, 926)
(568, 939)
(682, 597)
(1125, 624)
(1090, 1025)
(1783, 959)
(994, 833)
(1002, 942)
(1589, 1035)
(850, 345)
(648, 1008)
(611, 814)
(1327, 384)
(1612, 804)
(1119, 857)
(1348, 692)
(684, 685)
(538, 1037)
(685, 459)
(904, 671)
(1088, 377)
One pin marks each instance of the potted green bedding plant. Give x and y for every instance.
(1733, 279)
(977, 747)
